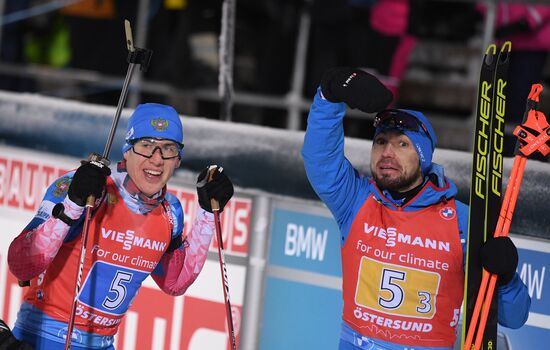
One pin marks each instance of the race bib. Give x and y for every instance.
(397, 290)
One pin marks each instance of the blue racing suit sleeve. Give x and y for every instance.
(513, 303)
(177, 223)
(462, 214)
(332, 176)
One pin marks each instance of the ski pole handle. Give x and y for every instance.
(213, 201)
(215, 205)
(136, 56)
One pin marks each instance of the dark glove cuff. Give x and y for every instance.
(356, 88)
(204, 200)
(58, 212)
(326, 81)
(499, 256)
(505, 278)
(175, 243)
(219, 188)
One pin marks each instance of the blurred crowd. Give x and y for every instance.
(378, 35)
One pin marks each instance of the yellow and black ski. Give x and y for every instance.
(486, 182)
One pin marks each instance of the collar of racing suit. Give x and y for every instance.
(134, 199)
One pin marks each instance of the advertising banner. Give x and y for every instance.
(302, 304)
(533, 268)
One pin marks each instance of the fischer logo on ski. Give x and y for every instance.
(486, 186)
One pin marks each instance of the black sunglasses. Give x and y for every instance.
(397, 119)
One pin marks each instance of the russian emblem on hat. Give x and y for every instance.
(447, 213)
(159, 124)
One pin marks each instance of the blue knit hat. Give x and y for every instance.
(156, 121)
(424, 138)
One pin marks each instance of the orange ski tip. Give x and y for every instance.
(536, 89)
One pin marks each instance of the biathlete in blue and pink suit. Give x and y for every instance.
(135, 231)
(403, 233)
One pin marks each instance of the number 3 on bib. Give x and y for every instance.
(397, 290)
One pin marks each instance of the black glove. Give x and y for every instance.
(219, 187)
(518, 27)
(500, 256)
(8, 341)
(89, 179)
(356, 88)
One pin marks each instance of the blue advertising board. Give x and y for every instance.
(534, 265)
(305, 241)
(303, 302)
(300, 316)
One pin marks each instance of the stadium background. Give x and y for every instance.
(282, 245)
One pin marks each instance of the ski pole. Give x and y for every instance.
(503, 212)
(136, 56)
(536, 122)
(489, 280)
(493, 277)
(229, 315)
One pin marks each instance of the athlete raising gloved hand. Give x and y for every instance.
(403, 234)
(134, 217)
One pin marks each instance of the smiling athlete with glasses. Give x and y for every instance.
(403, 234)
(134, 216)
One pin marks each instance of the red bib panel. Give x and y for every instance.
(402, 274)
(123, 248)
